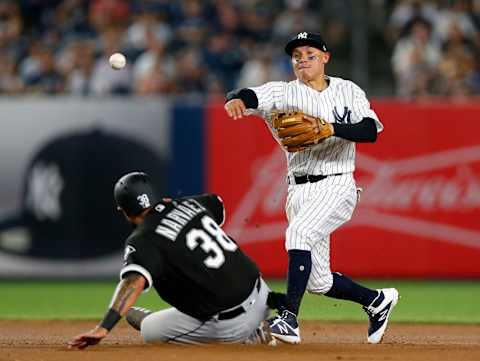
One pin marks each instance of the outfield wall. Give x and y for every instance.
(59, 159)
(418, 216)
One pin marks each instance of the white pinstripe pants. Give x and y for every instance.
(314, 211)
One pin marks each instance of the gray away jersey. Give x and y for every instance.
(342, 102)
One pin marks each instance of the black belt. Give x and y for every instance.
(237, 311)
(310, 178)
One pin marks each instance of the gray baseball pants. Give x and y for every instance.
(171, 325)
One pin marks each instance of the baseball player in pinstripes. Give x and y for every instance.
(321, 188)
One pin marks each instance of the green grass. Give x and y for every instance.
(421, 301)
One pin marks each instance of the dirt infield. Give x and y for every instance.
(45, 341)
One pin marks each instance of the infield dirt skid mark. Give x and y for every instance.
(46, 341)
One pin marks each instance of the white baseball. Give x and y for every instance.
(117, 61)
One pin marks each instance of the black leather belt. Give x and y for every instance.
(310, 178)
(237, 311)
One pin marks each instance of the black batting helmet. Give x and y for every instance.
(134, 193)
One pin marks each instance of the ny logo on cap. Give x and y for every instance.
(303, 35)
(143, 201)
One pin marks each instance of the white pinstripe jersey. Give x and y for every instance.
(342, 101)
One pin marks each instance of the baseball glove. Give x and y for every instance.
(298, 131)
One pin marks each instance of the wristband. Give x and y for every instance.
(247, 95)
(110, 320)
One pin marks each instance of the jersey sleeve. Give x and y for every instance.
(214, 205)
(270, 96)
(361, 107)
(138, 258)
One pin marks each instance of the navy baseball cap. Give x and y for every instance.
(305, 38)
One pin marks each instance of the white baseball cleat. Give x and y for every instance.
(285, 327)
(379, 312)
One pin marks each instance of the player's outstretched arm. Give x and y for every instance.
(235, 108)
(239, 100)
(125, 296)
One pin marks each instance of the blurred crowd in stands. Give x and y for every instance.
(437, 49)
(198, 47)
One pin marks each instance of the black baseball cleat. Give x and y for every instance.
(135, 316)
(284, 327)
(379, 312)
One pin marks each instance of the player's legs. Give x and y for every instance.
(240, 328)
(316, 232)
(335, 285)
(314, 210)
(318, 229)
(329, 205)
(321, 278)
(173, 326)
(377, 303)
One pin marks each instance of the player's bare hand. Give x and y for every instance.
(90, 338)
(314, 122)
(235, 108)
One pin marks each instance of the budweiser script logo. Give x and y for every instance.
(444, 182)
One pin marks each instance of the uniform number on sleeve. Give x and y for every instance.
(212, 240)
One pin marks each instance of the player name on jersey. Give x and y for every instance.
(174, 221)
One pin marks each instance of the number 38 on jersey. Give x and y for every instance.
(212, 240)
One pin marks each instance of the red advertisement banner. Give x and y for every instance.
(419, 214)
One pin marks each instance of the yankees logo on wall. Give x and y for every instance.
(65, 211)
